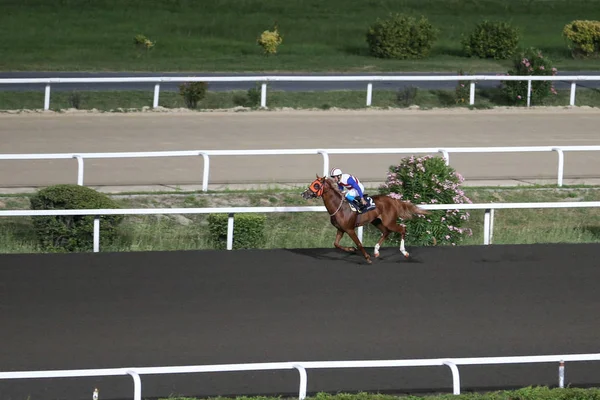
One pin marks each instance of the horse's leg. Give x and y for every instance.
(393, 226)
(356, 240)
(338, 237)
(384, 234)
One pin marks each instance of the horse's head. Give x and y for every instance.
(316, 188)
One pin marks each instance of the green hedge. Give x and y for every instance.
(72, 233)
(489, 39)
(248, 231)
(528, 393)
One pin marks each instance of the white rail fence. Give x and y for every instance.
(302, 366)
(488, 228)
(266, 79)
(325, 153)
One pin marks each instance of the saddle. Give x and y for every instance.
(356, 205)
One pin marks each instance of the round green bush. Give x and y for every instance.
(497, 40)
(530, 62)
(72, 233)
(401, 37)
(428, 180)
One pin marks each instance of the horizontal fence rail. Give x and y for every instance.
(231, 211)
(324, 153)
(264, 80)
(302, 366)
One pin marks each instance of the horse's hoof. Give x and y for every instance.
(406, 254)
(376, 255)
(369, 261)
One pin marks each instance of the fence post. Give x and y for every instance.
(561, 374)
(137, 385)
(325, 161)
(446, 155)
(263, 95)
(303, 381)
(96, 234)
(205, 171)
(369, 94)
(79, 169)
(561, 166)
(492, 215)
(572, 96)
(230, 232)
(528, 93)
(47, 97)
(359, 233)
(455, 376)
(486, 227)
(156, 94)
(472, 93)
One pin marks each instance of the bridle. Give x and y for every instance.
(317, 188)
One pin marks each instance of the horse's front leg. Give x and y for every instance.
(356, 240)
(338, 237)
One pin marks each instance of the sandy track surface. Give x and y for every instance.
(35, 132)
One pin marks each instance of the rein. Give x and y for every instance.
(339, 207)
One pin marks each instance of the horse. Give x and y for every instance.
(384, 216)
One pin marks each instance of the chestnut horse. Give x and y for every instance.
(384, 216)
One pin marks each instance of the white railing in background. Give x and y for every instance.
(325, 153)
(302, 366)
(488, 220)
(265, 79)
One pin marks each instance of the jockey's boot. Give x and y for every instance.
(359, 207)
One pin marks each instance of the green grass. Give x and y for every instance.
(308, 230)
(191, 35)
(136, 100)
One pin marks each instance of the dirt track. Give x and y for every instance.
(152, 131)
(67, 311)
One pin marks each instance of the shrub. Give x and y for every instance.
(497, 40)
(407, 96)
(75, 100)
(463, 90)
(584, 37)
(530, 62)
(428, 180)
(72, 233)
(401, 37)
(192, 93)
(142, 42)
(270, 41)
(248, 231)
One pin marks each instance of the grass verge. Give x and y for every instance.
(124, 101)
(306, 230)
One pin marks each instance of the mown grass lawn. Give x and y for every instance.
(191, 35)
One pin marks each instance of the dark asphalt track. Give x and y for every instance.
(284, 86)
(210, 307)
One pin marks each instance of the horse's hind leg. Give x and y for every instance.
(338, 237)
(384, 234)
(393, 226)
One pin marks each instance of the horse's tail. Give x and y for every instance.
(407, 210)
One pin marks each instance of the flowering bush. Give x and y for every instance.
(530, 62)
(269, 41)
(428, 180)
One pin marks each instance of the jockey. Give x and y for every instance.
(355, 189)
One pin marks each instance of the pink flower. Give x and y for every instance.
(542, 67)
(519, 97)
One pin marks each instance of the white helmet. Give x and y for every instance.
(335, 172)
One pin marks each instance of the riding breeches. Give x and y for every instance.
(351, 194)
